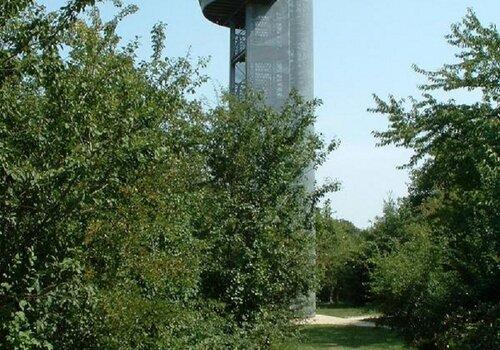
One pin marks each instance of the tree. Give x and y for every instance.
(85, 166)
(342, 260)
(455, 191)
(259, 231)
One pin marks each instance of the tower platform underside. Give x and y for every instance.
(228, 13)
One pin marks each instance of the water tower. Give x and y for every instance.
(271, 50)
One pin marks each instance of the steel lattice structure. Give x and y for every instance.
(271, 51)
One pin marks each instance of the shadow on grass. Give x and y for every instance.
(334, 337)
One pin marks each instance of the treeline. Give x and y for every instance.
(130, 216)
(342, 260)
(431, 261)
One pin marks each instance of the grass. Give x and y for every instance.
(342, 310)
(346, 338)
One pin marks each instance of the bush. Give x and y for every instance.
(259, 227)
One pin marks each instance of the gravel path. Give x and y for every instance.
(359, 321)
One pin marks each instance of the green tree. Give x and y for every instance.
(454, 194)
(342, 260)
(259, 230)
(88, 174)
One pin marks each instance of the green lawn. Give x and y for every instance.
(345, 310)
(348, 338)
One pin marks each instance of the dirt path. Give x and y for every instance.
(359, 321)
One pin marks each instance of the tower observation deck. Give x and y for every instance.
(271, 51)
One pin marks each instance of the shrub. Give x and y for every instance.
(258, 229)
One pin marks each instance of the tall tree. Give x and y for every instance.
(455, 187)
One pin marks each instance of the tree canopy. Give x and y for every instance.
(440, 281)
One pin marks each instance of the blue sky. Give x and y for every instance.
(361, 47)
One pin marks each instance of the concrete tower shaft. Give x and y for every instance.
(271, 45)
